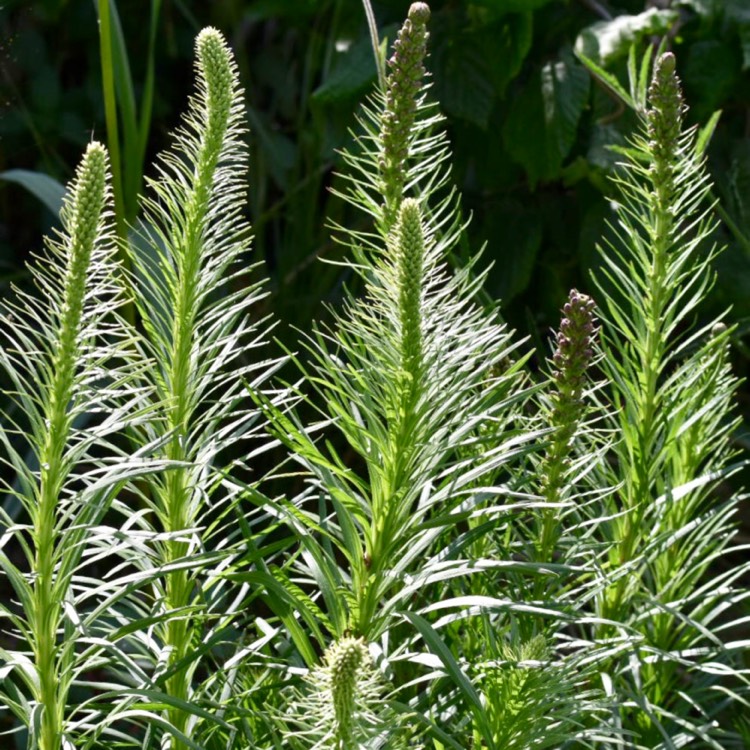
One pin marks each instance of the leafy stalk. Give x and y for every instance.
(84, 213)
(199, 338)
(673, 390)
(66, 355)
(405, 379)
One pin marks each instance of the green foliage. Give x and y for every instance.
(605, 41)
(670, 382)
(424, 540)
(540, 224)
(553, 106)
(69, 361)
(120, 106)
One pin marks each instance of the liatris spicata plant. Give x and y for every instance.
(196, 301)
(672, 392)
(455, 558)
(538, 686)
(68, 359)
(407, 377)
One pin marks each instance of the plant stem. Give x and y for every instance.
(182, 506)
(373, 29)
(81, 216)
(106, 55)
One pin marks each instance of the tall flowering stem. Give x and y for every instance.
(401, 151)
(82, 218)
(51, 358)
(198, 335)
(668, 154)
(181, 507)
(671, 410)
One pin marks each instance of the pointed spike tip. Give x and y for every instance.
(207, 34)
(667, 63)
(96, 146)
(419, 13)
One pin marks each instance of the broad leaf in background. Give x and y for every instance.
(353, 72)
(713, 70)
(565, 90)
(541, 127)
(606, 41)
(473, 72)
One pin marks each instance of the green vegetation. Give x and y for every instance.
(399, 526)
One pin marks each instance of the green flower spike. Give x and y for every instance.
(215, 71)
(342, 706)
(81, 215)
(346, 660)
(49, 360)
(82, 221)
(571, 359)
(403, 85)
(410, 261)
(665, 118)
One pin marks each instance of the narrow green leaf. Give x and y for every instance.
(106, 55)
(461, 680)
(606, 78)
(705, 134)
(48, 190)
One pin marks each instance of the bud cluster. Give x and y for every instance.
(347, 660)
(404, 81)
(217, 74)
(574, 343)
(82, 215)
(664, 118)
(572, 357)
(410, 259)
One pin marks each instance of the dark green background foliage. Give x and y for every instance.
(529, 127)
